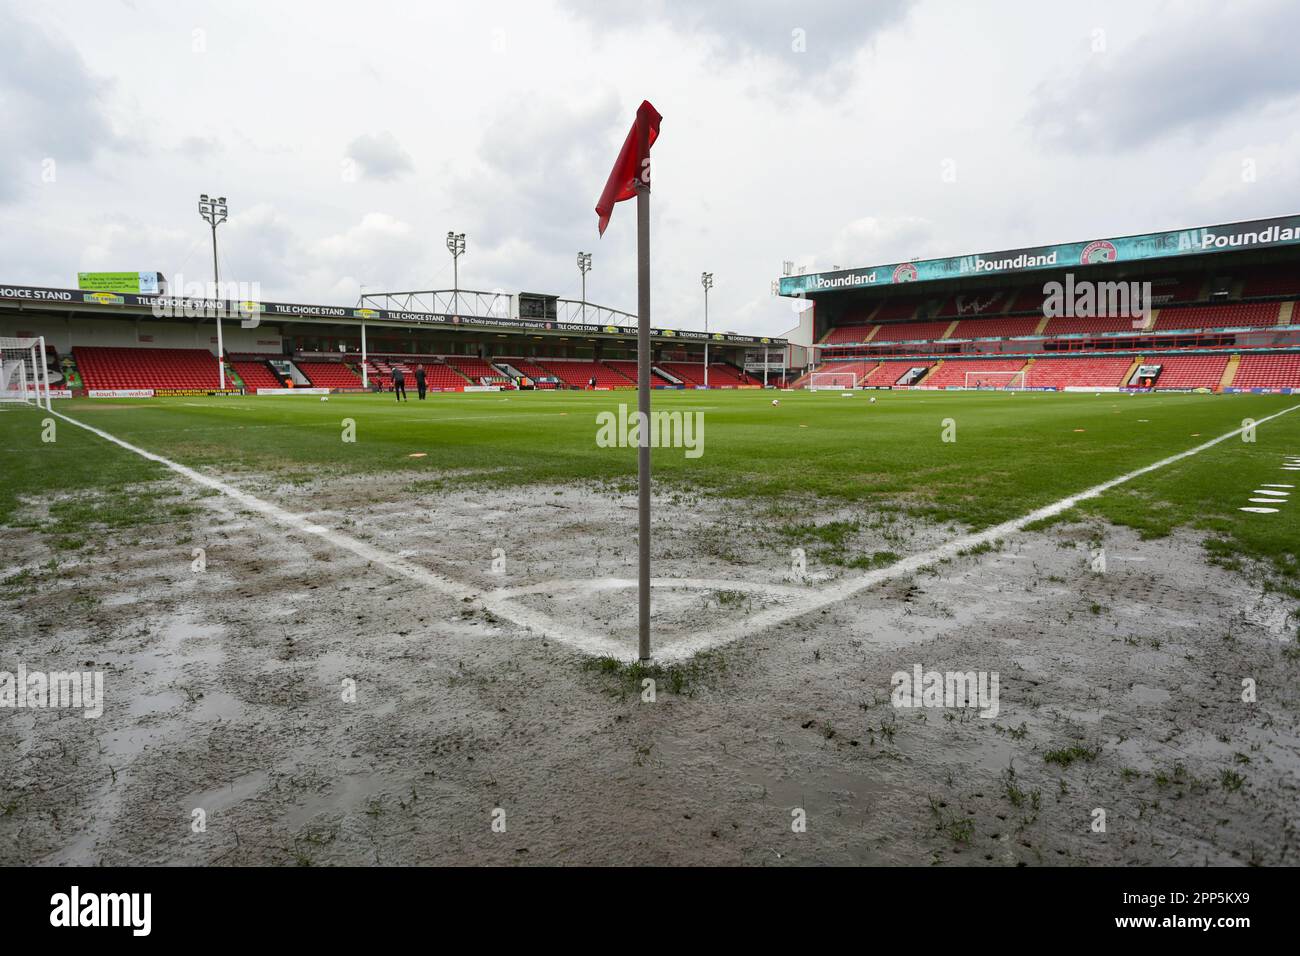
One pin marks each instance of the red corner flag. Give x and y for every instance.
(631, 161)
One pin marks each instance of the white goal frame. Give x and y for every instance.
(24, 376)
(840, 377)
(1000, 381)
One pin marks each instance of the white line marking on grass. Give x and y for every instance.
(795, 602)
(816, 600)
(588, 643)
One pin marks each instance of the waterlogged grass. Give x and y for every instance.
(1013, 453)
(75, 462)
(621, 680)
(1068, 755)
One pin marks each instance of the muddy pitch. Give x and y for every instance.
(229, 703)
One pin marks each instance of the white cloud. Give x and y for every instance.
(380, 156)
(509, 131)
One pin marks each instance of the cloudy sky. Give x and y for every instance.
(350, 137)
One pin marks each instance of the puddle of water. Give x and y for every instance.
(1145, 694)
(223, 798)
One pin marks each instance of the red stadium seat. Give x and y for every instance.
(129, 368)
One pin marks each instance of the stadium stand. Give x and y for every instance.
(437, 374)
(378, 374)
(720, 374)
(534, 372)
(848, 334)
(1272, 282)
(1219, 316)
(953, 372)
(115, 367)
(997, 327)
(969, 306)
(256, 375)
(329, 374)
(474, 368)
(912, 331)
(628, 370)
(692, 373)
(578, 373)
(1188, 371)
(1270, 370)
(1180, 289)
(856, 368)
(1072, 325)
(895, 309)
(888, 373)
(1027, 299)
(1105, 372)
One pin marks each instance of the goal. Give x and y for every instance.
(23, 375)
(1007, 381)
(834, 380)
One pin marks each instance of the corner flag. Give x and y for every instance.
(633, 163)
(631, 177)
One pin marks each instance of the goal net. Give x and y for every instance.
(996, 380)
(838, 380)
(23, 377)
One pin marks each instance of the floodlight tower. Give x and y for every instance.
(706, 280)
(213, 212)
(584, 266)
(456, 246)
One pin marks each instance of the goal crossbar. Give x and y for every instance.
(997, 380)
(836, 380)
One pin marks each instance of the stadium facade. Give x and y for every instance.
(1210, 308)
(104, 343)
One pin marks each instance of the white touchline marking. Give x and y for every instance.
(588, 643)
(799, 604)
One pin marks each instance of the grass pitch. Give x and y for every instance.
(1120, 689)
(1011, 453)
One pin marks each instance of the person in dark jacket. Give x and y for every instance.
(419, 381)
(399, 383)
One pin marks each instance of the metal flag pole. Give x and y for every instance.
(631, 177)
(643, 390)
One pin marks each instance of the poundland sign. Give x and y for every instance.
(1260, 234)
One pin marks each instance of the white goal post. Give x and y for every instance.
(1009, 381)
(834, 380)
(23, 373)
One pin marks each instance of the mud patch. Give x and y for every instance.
(320, 709)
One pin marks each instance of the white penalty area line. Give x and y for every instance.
(792, 603)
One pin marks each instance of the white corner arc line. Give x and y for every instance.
(599, 645)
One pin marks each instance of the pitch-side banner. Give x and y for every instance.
(1257, 234)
